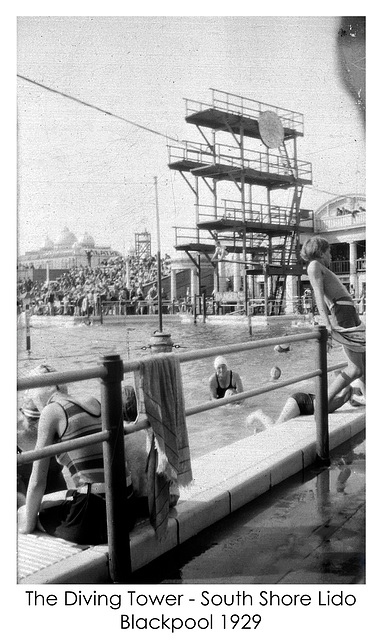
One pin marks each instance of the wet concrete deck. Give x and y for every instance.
(224, 481)
(308, 530)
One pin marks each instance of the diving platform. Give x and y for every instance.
(221, 225)
(255, 217)
(246, 145)
(199, 247)
(250, 176)
(222, 162)
(223, 121)
(239, 115)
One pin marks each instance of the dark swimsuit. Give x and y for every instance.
(344, 313)
(220, 391)
(81, 517)
(305, 402)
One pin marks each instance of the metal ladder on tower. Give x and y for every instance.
(287, 166)
(290, 241)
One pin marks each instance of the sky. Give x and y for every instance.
(95, 173)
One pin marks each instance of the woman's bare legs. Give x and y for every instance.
(337, 394)
(289, 411)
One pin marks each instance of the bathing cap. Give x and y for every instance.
(220, 361)
(41, 395)
(275, 373)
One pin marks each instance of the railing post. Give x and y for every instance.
(321, 404)
(27, 328)
(115, 471)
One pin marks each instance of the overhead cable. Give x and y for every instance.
(92, 106)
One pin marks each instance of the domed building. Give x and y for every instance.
(65, 240)
(65, 252)
(86, 240)
(48, 244)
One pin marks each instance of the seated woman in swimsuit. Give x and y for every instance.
(224, 382)
(26, 441)
(77, 514)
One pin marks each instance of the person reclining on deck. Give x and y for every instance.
(302, 404)
(224, 382)
(79, 514)
(343, 322)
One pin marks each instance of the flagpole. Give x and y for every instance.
(158, 261)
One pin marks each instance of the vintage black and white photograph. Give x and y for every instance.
(191, 308)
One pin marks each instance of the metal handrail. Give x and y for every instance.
(246, 107)
(51, 379)
(111, 375)
(255, 212)
(260, 390)
(139, 425)
(231, 156)
(78, 443)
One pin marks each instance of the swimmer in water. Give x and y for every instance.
(224, 382)
(275, 373)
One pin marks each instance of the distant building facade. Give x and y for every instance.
(64, 253)
(342, 222)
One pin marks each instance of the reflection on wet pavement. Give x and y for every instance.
(309, 530)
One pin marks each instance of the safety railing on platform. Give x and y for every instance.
(225, 155)
(192, 235)
(111, 372)
(190, 151)
(254, 212)
(254, 108)
(258, 213)
(231, 103)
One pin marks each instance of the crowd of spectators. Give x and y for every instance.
(116, 285)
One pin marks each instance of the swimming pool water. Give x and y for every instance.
(70, 347)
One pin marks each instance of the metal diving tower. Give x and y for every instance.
(249, 147)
